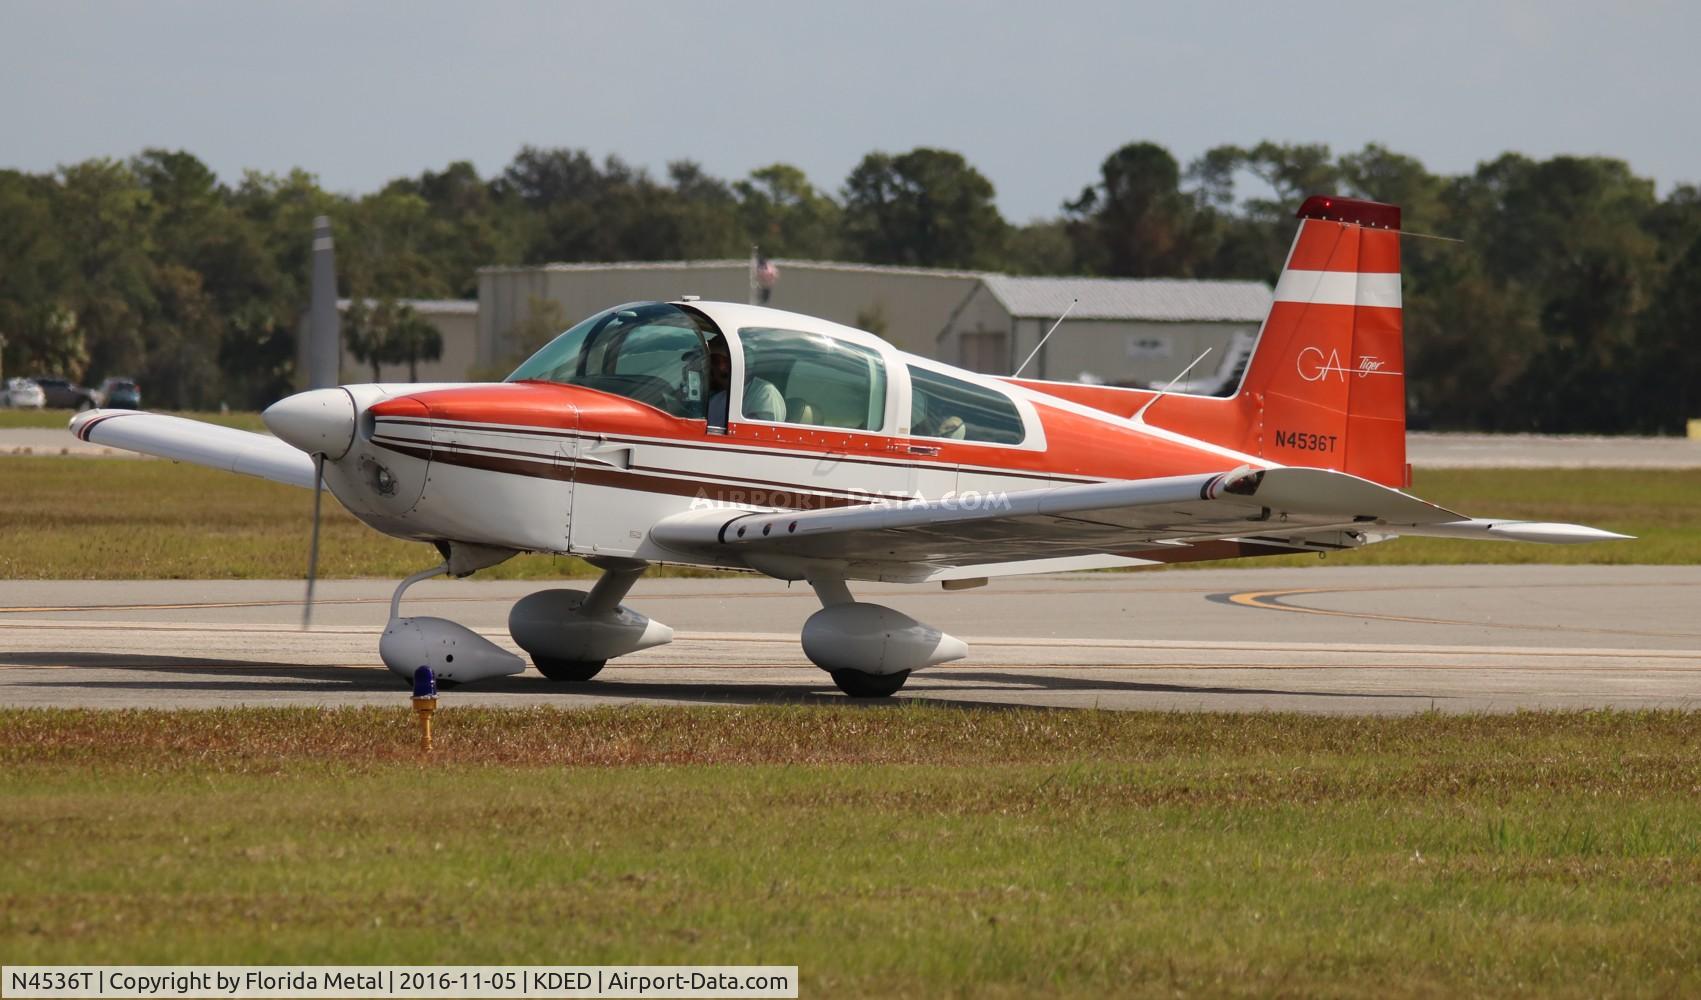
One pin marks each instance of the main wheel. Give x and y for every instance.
(858, 684)
(567, 670)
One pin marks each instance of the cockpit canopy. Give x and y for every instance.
(677, 360)
(653, 352)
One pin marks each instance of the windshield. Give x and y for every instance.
(652, 352)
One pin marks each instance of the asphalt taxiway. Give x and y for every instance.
(1382, 640)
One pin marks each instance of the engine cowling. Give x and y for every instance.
(875, 639)
(554, 625)
(453, 652)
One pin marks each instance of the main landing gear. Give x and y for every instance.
(570, 634)
(870, 649)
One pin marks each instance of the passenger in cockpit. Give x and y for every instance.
(926, 424)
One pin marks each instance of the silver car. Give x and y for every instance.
(21, 392)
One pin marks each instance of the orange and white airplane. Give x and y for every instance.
(737, 437)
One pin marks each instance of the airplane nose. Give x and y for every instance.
(318, 421)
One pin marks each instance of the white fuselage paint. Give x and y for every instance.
(581, 492)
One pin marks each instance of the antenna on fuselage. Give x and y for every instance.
(1045, 338)
(1141, 412)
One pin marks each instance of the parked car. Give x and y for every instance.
(21, 392)
(120, 394)
(63, 395)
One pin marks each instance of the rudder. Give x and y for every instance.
(1327, 379)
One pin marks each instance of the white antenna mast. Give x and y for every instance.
(1140, 414)
(1045, 338)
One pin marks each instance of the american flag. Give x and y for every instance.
(767, 276)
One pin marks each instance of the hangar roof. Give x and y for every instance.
(727, 263)
(1162, 299)
(427, 307)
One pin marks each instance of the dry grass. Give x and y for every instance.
(1658, 747)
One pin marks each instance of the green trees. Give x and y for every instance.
(384, 331)
(1136, 222)
(780, 210)
(926, 208)
(1571, 303)
(36, 271)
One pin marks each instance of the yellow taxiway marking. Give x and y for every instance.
(1271, 600)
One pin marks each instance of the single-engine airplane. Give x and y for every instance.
(738, 437)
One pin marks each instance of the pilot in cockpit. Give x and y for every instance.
(761, 400)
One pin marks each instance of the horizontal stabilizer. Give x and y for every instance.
(196, 442)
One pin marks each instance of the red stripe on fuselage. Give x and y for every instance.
(1078, 447)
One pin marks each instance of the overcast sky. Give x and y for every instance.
(1033, 94)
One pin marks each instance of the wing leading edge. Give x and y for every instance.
(198, 443)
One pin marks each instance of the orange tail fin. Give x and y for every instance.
(1326, 385)
(1327, 382)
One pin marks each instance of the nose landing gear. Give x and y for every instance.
(454, 652)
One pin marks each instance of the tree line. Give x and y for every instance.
(1561, 296)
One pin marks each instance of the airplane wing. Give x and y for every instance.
(198, 443)
(1284, 509)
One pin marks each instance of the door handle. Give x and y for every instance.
(617, 455)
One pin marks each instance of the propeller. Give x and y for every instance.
(320, 422)
(313, 547)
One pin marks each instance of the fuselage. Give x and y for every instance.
(545, 465)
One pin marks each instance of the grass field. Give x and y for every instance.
(125, 519)
(909, 850)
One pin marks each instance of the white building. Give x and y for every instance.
(1120, 330)
(455, 319)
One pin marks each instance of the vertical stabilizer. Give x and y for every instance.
(1327, 378)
